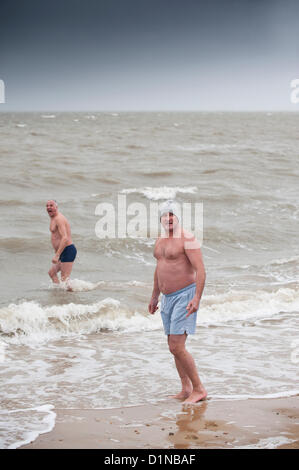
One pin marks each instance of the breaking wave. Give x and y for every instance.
(29, 322)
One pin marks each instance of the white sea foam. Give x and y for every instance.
(284, 394)
(35, 421)
(29, 322)
(245, 305)
(137, 283)
(268, 443)
(80, 285)
(281, 261)
(162, 192)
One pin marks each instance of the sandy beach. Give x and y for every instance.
(254, 423)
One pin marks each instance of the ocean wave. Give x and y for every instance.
(282, 261)
(162, 192)
(12, 202)
(29, 322)
(208, 149)
(155, 174)
(247, 306)
(79, 285)
(19, 244)
(106, 180)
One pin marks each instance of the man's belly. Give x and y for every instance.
(56, 242)
(174, 276)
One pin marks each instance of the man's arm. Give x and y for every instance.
(63, 242)
(195, 257)
(156, 290)
(153, 305)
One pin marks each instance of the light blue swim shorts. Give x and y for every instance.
(173, 312)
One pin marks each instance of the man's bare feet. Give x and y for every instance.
(66, 285)
(196, 396)
(182, 395)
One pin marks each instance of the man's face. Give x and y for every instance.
(51, 208)
(169, 221)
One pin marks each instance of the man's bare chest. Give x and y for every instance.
(169, 249)
(53, 227)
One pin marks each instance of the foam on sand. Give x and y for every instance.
(35, 421)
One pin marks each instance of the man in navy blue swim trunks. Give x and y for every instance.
(180, 277)
(65, 250)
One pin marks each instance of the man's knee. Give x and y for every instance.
(52, 272)
(176, 348)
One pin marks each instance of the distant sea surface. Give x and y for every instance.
(97, 347)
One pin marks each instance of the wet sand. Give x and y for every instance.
(254, 423)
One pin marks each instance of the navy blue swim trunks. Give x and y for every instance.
(69, 254)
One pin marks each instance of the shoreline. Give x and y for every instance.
(252, 423)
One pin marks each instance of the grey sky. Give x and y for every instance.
(148, 55)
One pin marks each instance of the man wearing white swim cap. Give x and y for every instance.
(180, 277)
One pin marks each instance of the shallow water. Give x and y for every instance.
(97, 346)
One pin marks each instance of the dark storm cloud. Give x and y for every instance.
(156, 54)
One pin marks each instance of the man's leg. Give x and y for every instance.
(186, 382)
(66, 269)
(186, 367)
(53, 271)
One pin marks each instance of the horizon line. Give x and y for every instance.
(153, 111)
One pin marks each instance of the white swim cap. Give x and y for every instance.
(170, 206)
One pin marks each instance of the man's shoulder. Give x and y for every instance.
(61, 218)
(158, 240)
(188, 236)
(53, 223)
(190, 241)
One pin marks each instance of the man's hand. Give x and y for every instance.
(192, 306)
(55, 260)
(153, 305)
